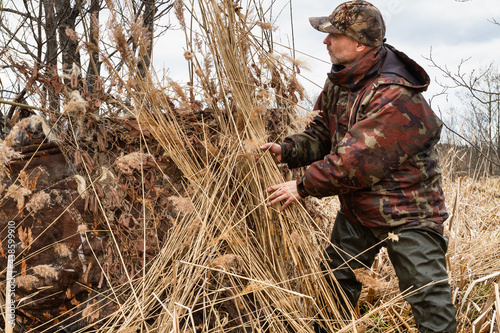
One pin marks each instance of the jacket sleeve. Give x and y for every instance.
(314, 143)
(396, 124)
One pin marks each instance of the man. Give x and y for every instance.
(372, 144)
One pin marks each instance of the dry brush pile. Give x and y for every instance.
(156, 220)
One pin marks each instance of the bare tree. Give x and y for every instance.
(149, 11)
(52, 47)
(67, 14)
(94, 68)
(480, 93)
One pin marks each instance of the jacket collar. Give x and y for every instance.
(355, 75)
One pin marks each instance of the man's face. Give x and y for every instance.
(342, 49)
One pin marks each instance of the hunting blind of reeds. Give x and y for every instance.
(156, 218)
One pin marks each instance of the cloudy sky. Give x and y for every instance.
(454, 30)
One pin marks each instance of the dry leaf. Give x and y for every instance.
(25, 236)
(393, 237)
(91, 312)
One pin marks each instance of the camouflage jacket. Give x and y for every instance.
(372, 144)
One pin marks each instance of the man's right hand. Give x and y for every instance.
(274, 149)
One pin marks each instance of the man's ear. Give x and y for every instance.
(362, 47)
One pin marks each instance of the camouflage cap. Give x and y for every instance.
(358, 20)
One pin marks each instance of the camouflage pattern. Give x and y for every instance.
(358, 20)
(372, 144)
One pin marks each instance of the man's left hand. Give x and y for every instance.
(285, 191)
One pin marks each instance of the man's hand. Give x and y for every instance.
(285, 191)
(274, 149)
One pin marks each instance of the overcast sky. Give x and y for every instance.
(454, 30)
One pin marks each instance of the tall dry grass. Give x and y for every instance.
(474, 245)
(231, 263)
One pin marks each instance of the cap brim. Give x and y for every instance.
(323, 24)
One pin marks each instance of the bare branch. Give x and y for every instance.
(470, 82)
(494, 21)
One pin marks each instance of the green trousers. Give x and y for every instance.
(418, 259)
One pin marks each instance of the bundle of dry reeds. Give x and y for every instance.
(230, 263)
